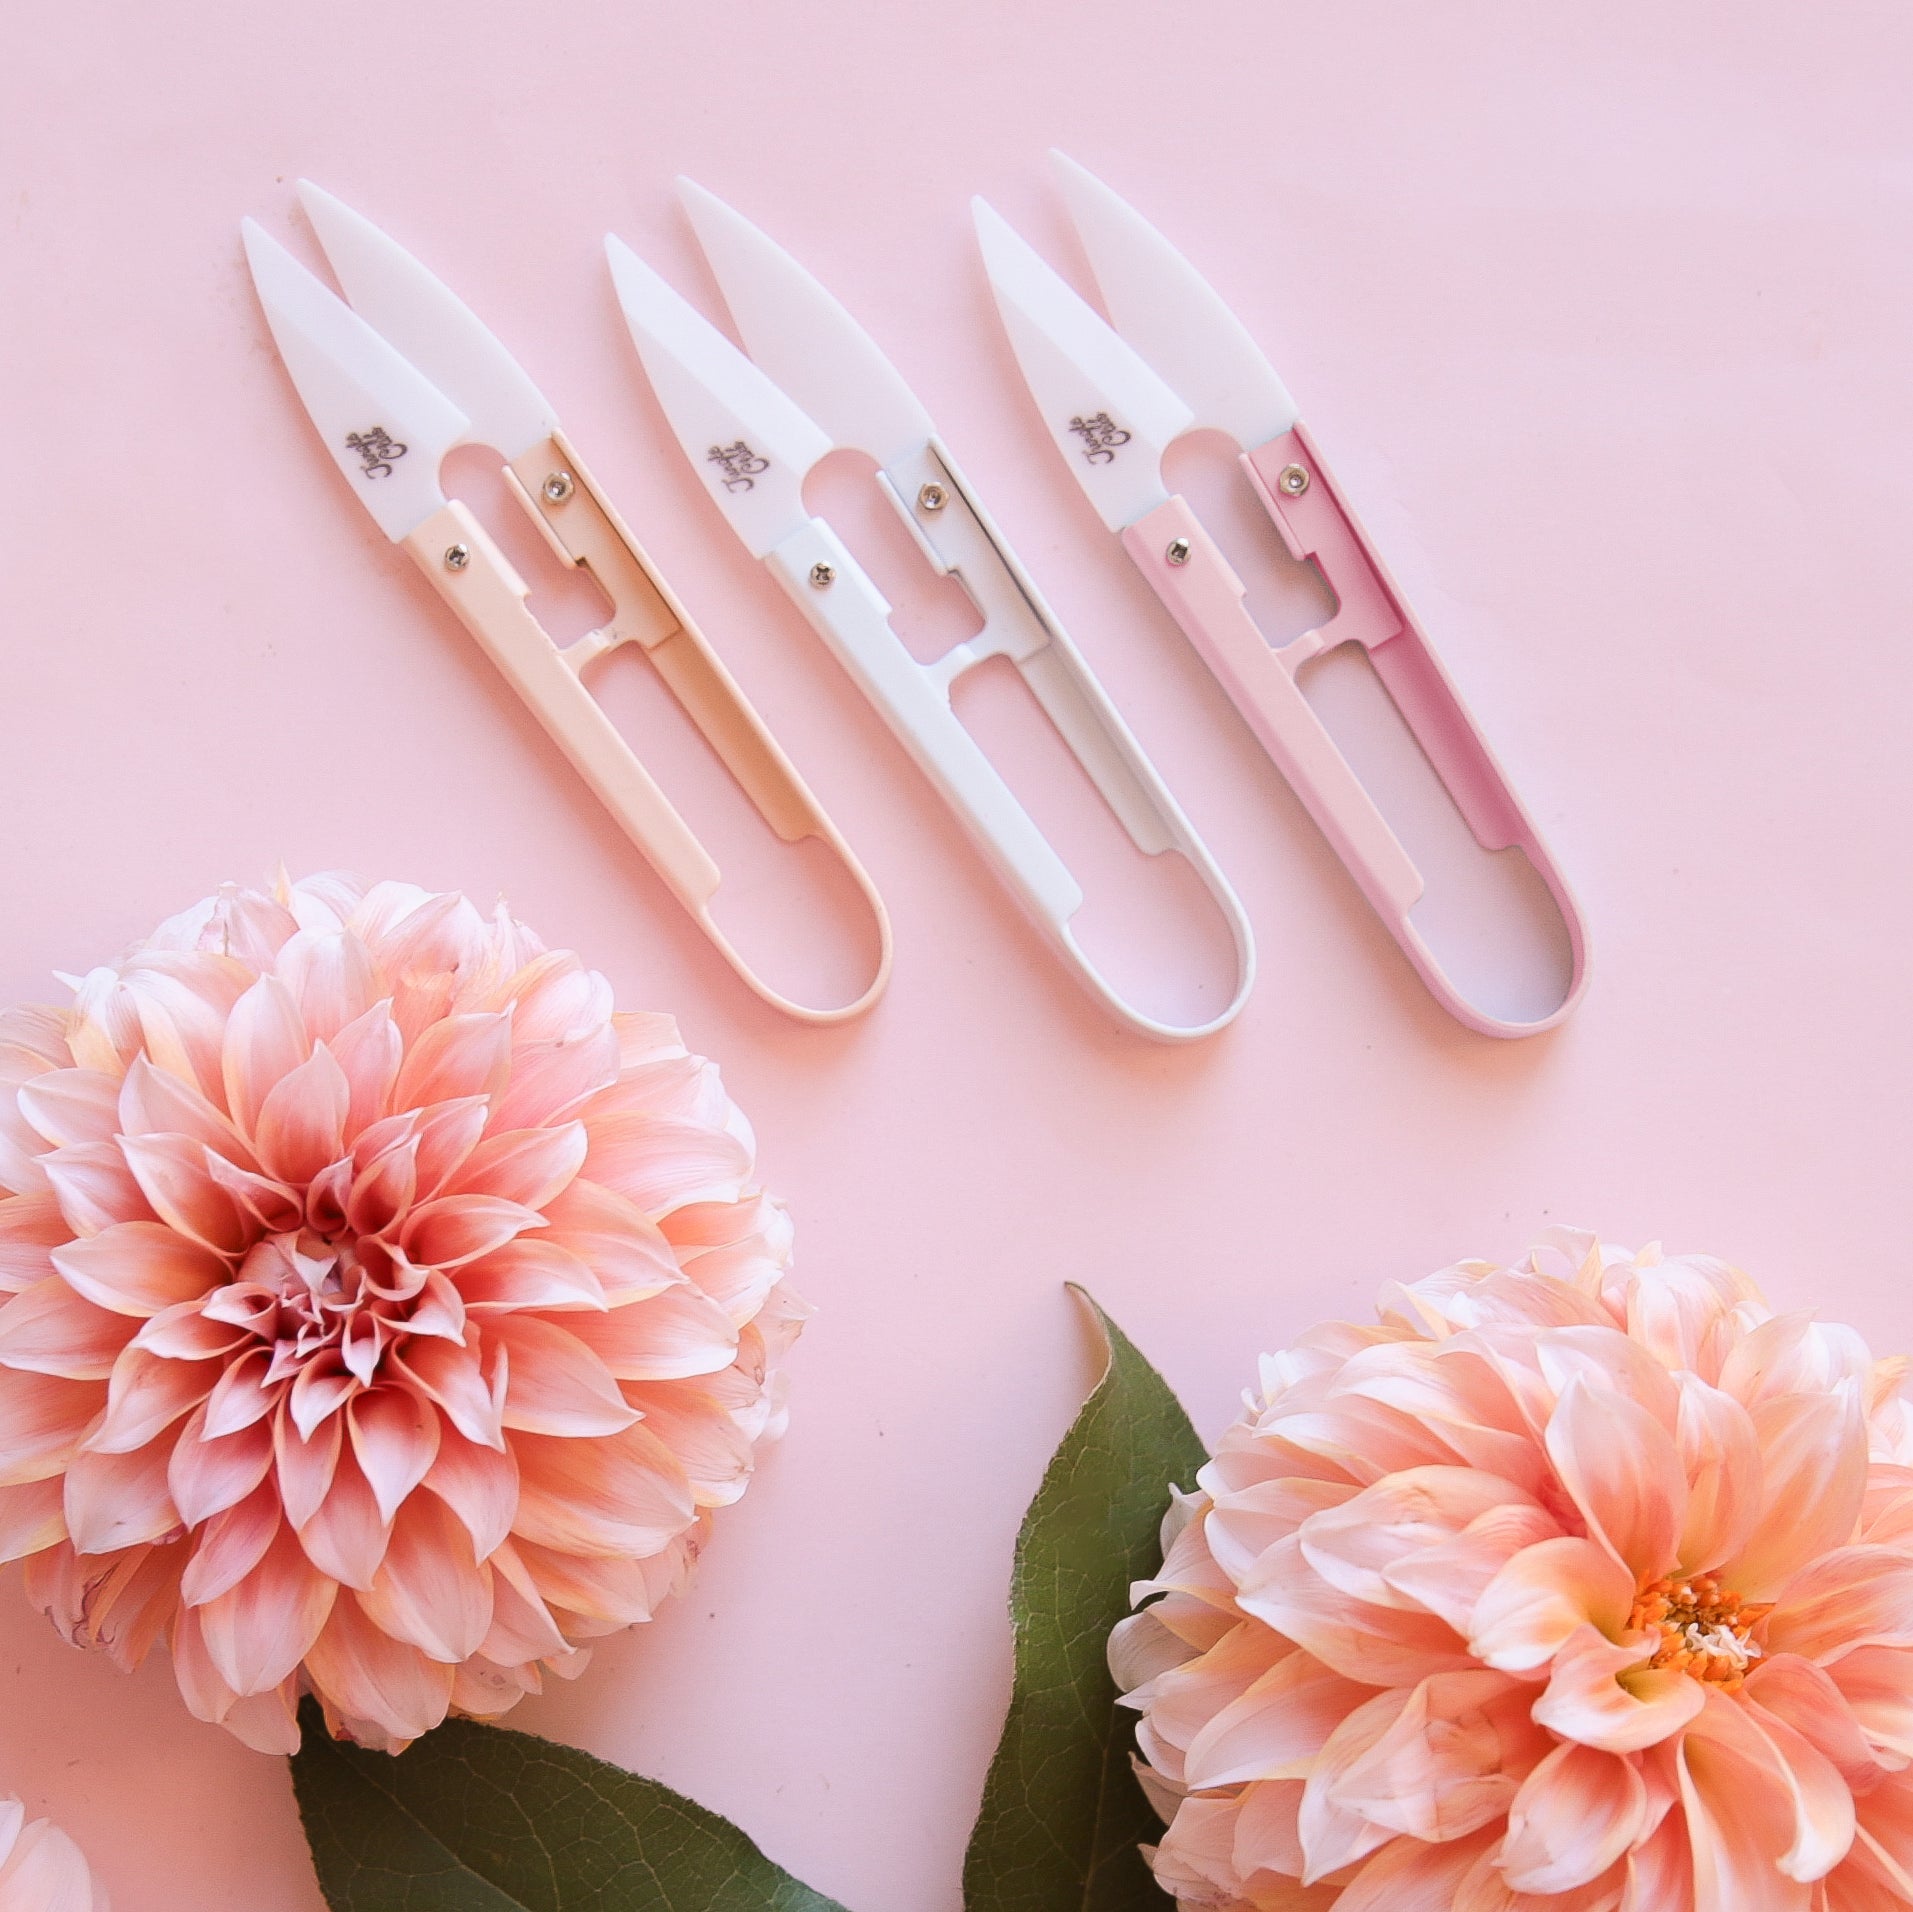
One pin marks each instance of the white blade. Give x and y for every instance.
(428, 322)
(1111, 416)
(803, 338)
(1172, 316)
(386, 427)
(746, 440)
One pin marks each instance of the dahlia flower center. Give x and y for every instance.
(1704, 1628)
(311, 1298)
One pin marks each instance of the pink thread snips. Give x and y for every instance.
(1114, 398)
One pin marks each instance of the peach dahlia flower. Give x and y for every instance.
(385, 1314)
(41, 1869)
(1577, 1586)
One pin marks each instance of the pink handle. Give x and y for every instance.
(1191, 577)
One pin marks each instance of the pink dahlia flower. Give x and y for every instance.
(41, 1869)
(385, 1317)
(1582, 1586)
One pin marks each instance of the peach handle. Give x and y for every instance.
(474, 576)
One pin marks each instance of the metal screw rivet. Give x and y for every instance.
(1292, 480)
(457, 557)
(558, 487)
(822, 576)
(932, 498)
(1178, 552)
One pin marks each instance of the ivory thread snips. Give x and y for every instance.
(1114, 398)
(753, 428)
(399, 377)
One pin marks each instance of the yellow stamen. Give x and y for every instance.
(1704, 1628)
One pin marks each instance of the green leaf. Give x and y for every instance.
(477, 1819)
(1062, 1813)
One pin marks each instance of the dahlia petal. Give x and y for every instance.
(615, 1239)
(1375, 1645)
(346, 1534)
(319, 1390)
(439, 1310)
(450, 1378)
(530, 1272)
(1876, 1687)
(267, 1722)
(190, 1331)
(31, 1226)
(175, 1174)
(146, 1395)
(1822, 1802)
(457, 1056)
(605, 1592)
(1437, 1771)
(242, 1395)
(623, 1493)
(157, 1102)
(1353, 1545)
(1407, 1875)
(712, 1448)
(229, 1546)
(429, 1590)
(1813, 1457)
(447, 1134)
(115, 1501)
(366, 1676)
(258, 1631)
(1276, 1728)
(558, 1385)
(1449, 1580)
(459, 1228)
(304, 1463)
(1720, 1452)
(369, 1050)
(738, 1278)
(43, 1418)
(265, 1040)
(396, 1438)
(663, 1164)
(94, 1187)
(1333, 1835)
(119, 1603)
(479, 1484)
(1537, 1602)
(1576, 1813)
(1740, 1823)
(672, 1336)
(1854, 1597)
(205, 1692)
(1609, 1362)
(32, 1518)
(1608, 1697)
(46, 1872)
(529, 1166)
(549, 1080)
(51, 1330)
(301, 1122)
(71, 1106)
(1659, 1871)
(1620, 1464)
(383, 1191)
(1811, 1702)
(208, 1473)
(139, 1268)
(522, 1627)
(332, 978)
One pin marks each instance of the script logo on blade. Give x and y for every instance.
(739, 464)
(1101, 437)
(377, 449)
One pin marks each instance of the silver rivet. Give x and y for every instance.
(932, 498)
(1292, 481)
(457, 557)
(1178, 552)
(558, 487)
(822, 576)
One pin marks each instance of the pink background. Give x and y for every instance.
(1606, 328)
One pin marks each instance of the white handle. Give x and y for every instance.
(851, 615)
